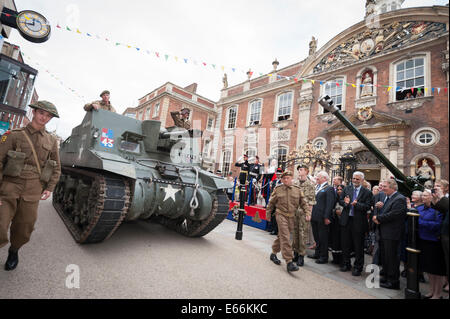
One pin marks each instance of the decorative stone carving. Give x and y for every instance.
(410, 103)
(365, 113)
(371, 42)
(280, 136)
(305, 102)
(229, 140)
(393, 144)
(327, 117)
(312, 46)
(425, 171)
(367, 89)
(225, 81)
(370, 101)
(366, 158)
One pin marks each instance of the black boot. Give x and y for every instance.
(275, 260)
(295, 257)
(292, 266)
(300, 261)
(12, 261)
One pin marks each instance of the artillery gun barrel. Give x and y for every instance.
(327, 104)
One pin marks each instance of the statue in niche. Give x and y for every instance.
(225, 81)
(367, 89)
(425, 171)
(312, 46)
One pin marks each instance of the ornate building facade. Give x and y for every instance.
(388, 74)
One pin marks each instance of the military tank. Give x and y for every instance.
(117, 169)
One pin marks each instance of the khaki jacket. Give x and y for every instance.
(286, 200)
(108, 107)
(45, 145)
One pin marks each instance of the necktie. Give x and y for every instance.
(354, 197)
(386, 199)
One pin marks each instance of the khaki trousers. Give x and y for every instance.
(283, 241)
(18, 212)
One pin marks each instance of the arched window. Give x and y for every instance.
(284, 106)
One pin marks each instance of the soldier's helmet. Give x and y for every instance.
(46, 106)
(185, 111)
(104, 92)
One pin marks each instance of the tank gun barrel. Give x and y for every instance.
(407, 184)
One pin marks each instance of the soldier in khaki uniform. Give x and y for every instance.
(285, 200)
(22, 182)
(181, 119)
(103, 104)
(302, 218)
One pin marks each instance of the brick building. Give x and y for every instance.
(169, 97)
(16, 79)
(404, 49)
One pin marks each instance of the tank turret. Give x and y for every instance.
(115, 169)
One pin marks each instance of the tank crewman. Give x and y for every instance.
(29, 171)
(285, 200)
(103, 104)
(181, 119)
(302, 217)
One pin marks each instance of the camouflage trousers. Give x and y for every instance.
(300, 235)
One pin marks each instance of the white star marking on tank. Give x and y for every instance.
(169, 192)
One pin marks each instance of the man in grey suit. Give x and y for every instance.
(392, 224)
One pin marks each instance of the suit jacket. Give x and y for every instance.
(365, 199)
(380, 197)
(325, 202)
(392, 218)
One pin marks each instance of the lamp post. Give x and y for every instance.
(242, 197)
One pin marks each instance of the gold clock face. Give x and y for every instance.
(33, 26)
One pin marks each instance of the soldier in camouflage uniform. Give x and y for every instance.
(29, 171)
(181, 119)
(301, 220)
(285, 200)
(103, 104)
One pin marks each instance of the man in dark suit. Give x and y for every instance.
(356, 201)
(392, 224)
(321, 215)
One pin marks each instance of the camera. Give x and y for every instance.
(433, 191)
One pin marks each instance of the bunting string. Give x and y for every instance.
(215, 66)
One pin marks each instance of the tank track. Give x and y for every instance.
(97, 217)
(192, 228)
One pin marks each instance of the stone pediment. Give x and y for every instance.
(370, 42)
(377, 120)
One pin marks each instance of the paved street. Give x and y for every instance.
(145, 260)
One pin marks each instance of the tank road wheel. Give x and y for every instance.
(94, 209)
(193, 228)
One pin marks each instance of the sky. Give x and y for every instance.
(239, 34)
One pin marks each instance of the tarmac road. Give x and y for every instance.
(146, 260)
